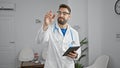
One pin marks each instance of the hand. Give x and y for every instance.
(72, 55)
(49, 17)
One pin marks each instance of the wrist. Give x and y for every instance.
(45, 27)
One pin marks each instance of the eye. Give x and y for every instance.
(64, 13)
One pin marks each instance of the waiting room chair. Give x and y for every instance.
(26, 54)
(101, 62)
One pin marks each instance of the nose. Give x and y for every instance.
(61, 14)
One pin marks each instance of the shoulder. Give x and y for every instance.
(73, 30)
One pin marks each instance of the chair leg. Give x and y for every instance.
(21, 65)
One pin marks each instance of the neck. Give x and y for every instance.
(63, 26)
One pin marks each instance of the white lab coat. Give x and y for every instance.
(57, 45)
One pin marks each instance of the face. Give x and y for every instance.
(63, 16)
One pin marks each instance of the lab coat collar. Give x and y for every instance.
(56, 27)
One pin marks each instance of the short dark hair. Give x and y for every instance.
(65, 6)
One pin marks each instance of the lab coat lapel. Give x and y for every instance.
(67, 34)
(59, 30)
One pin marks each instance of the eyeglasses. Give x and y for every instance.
(64, 13)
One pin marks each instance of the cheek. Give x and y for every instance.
(69, 17)
(66, 18)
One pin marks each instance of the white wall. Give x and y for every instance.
(94, 28)
(103, 27)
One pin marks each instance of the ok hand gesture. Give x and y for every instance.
(49, 18)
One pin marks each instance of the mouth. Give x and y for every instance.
(60, 18)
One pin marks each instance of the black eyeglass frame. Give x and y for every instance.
(64, 13)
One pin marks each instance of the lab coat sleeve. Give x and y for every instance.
(78, 44)
(42, 36)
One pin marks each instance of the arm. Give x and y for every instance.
(79, 50)
(43, 34)
(76, 54)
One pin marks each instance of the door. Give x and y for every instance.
(7, 37)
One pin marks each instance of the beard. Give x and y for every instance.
(60, 21)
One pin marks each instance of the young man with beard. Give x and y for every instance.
(59, 36)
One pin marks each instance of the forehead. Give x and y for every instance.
(64, 10)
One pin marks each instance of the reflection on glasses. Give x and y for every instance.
(64, 13)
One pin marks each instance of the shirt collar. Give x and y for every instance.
(56, 27)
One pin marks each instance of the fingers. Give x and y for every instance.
(72, 54)
(49, 17)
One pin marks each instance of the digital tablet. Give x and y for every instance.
(71, 49)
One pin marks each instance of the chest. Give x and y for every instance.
(62, 41)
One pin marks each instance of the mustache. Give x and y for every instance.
(60, 18)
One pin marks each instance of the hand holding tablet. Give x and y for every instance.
(71, 49)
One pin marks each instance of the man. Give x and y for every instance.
(60, 36)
